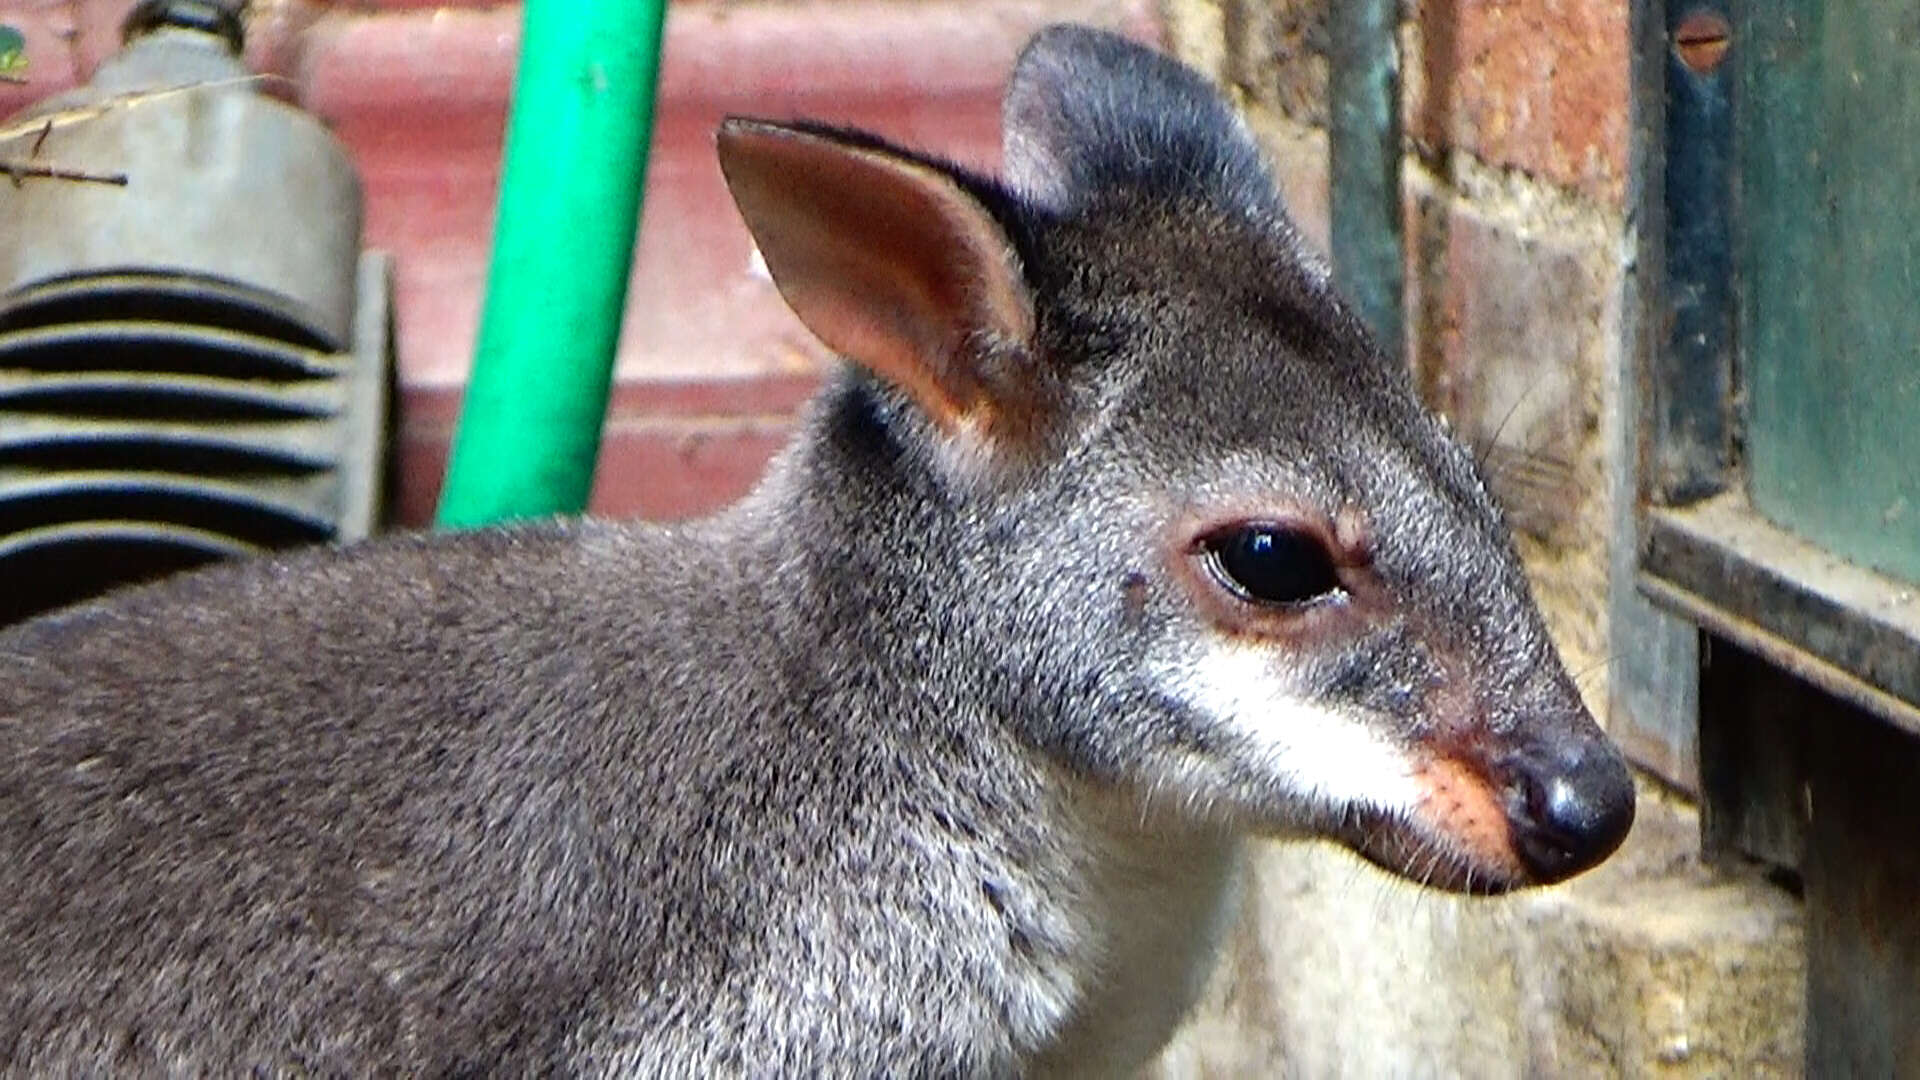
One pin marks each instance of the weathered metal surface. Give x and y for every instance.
(1829, 261)
(134, 348)
(1692, 369)
(172, 297)
(1653, 695)
(1369, 261)
(198, 363)
(362, 451)
(1809, 696)
(131, 449)
(1848, 630)
(223, 183)
(1653, 705)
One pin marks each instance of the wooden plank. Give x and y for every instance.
(1753, 735)
(1862, 873)
(1852, 632)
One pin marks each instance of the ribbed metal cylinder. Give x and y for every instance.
(193, 363)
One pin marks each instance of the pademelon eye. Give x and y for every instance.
(1272, 564)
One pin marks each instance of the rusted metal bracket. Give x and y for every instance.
(1693, 416)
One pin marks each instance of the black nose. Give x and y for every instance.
(1571, 805)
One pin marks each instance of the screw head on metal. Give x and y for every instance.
(1701, 40)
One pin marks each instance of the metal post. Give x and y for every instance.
(1368, 254)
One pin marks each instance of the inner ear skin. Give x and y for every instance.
(891, 263)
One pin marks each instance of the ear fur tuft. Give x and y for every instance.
(1088, 111)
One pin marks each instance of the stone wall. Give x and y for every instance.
(1516, 164)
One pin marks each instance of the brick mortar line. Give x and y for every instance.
(1511, 196)
(1278, 111)
(1507, 195)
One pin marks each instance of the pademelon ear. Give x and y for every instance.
(893, 264)
(1087, 110)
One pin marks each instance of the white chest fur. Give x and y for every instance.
(1156, 912)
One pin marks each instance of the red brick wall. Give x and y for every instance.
(1538, 86)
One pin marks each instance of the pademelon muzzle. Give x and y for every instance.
(1538, 816)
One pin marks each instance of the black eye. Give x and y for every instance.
(1272, 564)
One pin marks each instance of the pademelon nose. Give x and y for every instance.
(1576, 808)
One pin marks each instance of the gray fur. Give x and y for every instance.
(861, 777)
